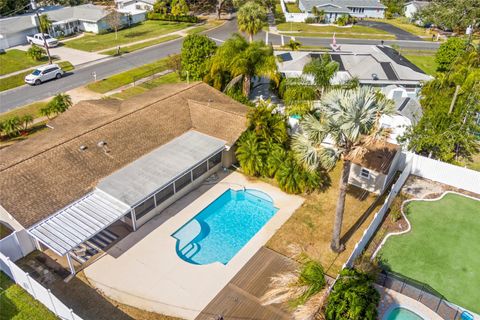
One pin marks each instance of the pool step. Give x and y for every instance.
(190, 250)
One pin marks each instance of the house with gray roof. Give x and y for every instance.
(412, 7)
(336, 8)
(65, 21)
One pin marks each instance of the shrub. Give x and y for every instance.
(448, 52)
(294, 45)
(353, 297)
(11, 126)
(171, 17)
(35, 52)
(310, 20)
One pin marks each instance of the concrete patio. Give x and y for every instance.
(143, 270)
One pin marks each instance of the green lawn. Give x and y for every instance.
(121, 79)
(305, 30)
(32, 109)
(15, 60)
(133, 91)
(293, 8)
(404, 24)
(18, 79)
(300, 26)
(17, 304)
(138, 46)
(145, 30)
(442, 249)
(425, 62)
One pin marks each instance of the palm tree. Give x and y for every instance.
(268, 124)
(321, 71)
(250, 153)
(11, 126)
(250, 18)
(60, 103)
(45, 23)
(350, 119)
(26, 120)
(238, 60)
(303, 288)
(319, 14)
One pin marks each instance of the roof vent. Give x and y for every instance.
(374, 76)
(101, 144)
(83, 147)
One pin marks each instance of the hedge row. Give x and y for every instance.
(171, 17)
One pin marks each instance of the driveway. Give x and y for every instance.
(399, 33)
(76, 57)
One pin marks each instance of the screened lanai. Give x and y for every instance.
(136, 192)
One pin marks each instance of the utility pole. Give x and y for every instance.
(34, 7)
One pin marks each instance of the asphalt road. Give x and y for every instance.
(82, 75)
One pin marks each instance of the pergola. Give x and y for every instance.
(149, 182)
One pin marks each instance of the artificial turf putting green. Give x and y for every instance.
(443, 248)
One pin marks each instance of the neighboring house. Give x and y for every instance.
(374, 170)
(65, 21)
(378, 66)
(107, 161)
(336, 8)
(412, 7)
(135, 5)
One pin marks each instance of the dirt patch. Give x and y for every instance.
(421, 188)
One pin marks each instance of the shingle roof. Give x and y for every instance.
(85, 12)
(379, 157)
(309, 4)
(49, 171)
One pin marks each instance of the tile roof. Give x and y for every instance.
(48, 171)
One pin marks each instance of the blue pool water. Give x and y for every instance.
(220, 230)
(402, 314)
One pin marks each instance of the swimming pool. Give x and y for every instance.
(400, 313)
(220, 230)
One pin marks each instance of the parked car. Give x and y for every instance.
(38, 40)
(44, 73)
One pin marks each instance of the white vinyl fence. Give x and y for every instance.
(16, 246)
(442, 172)
(292, 17)
(377, 219)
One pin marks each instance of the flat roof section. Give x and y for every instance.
(134, 182)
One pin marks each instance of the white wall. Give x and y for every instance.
(442, 172)
(17, 245)
(370, 13)
(9, 220)
(374, 183)
(410, 10)
(89, 26)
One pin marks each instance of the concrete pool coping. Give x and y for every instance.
(391, 299)
(143, 270)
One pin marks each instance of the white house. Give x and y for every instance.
(65, 21)
(378, 66)
(135, 5)
(412, 7)
(122, 162)
(336, 8)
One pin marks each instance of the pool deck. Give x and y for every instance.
(391, 299)
(143, 270)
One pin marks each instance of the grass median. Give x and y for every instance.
(142, 45)
(18, 79)
(134, 91)
(124, 78)
(145, 30)
(300, 29)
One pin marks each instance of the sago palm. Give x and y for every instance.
(250, 18)
(350, 119)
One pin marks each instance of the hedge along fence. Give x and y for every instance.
(171, 17)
